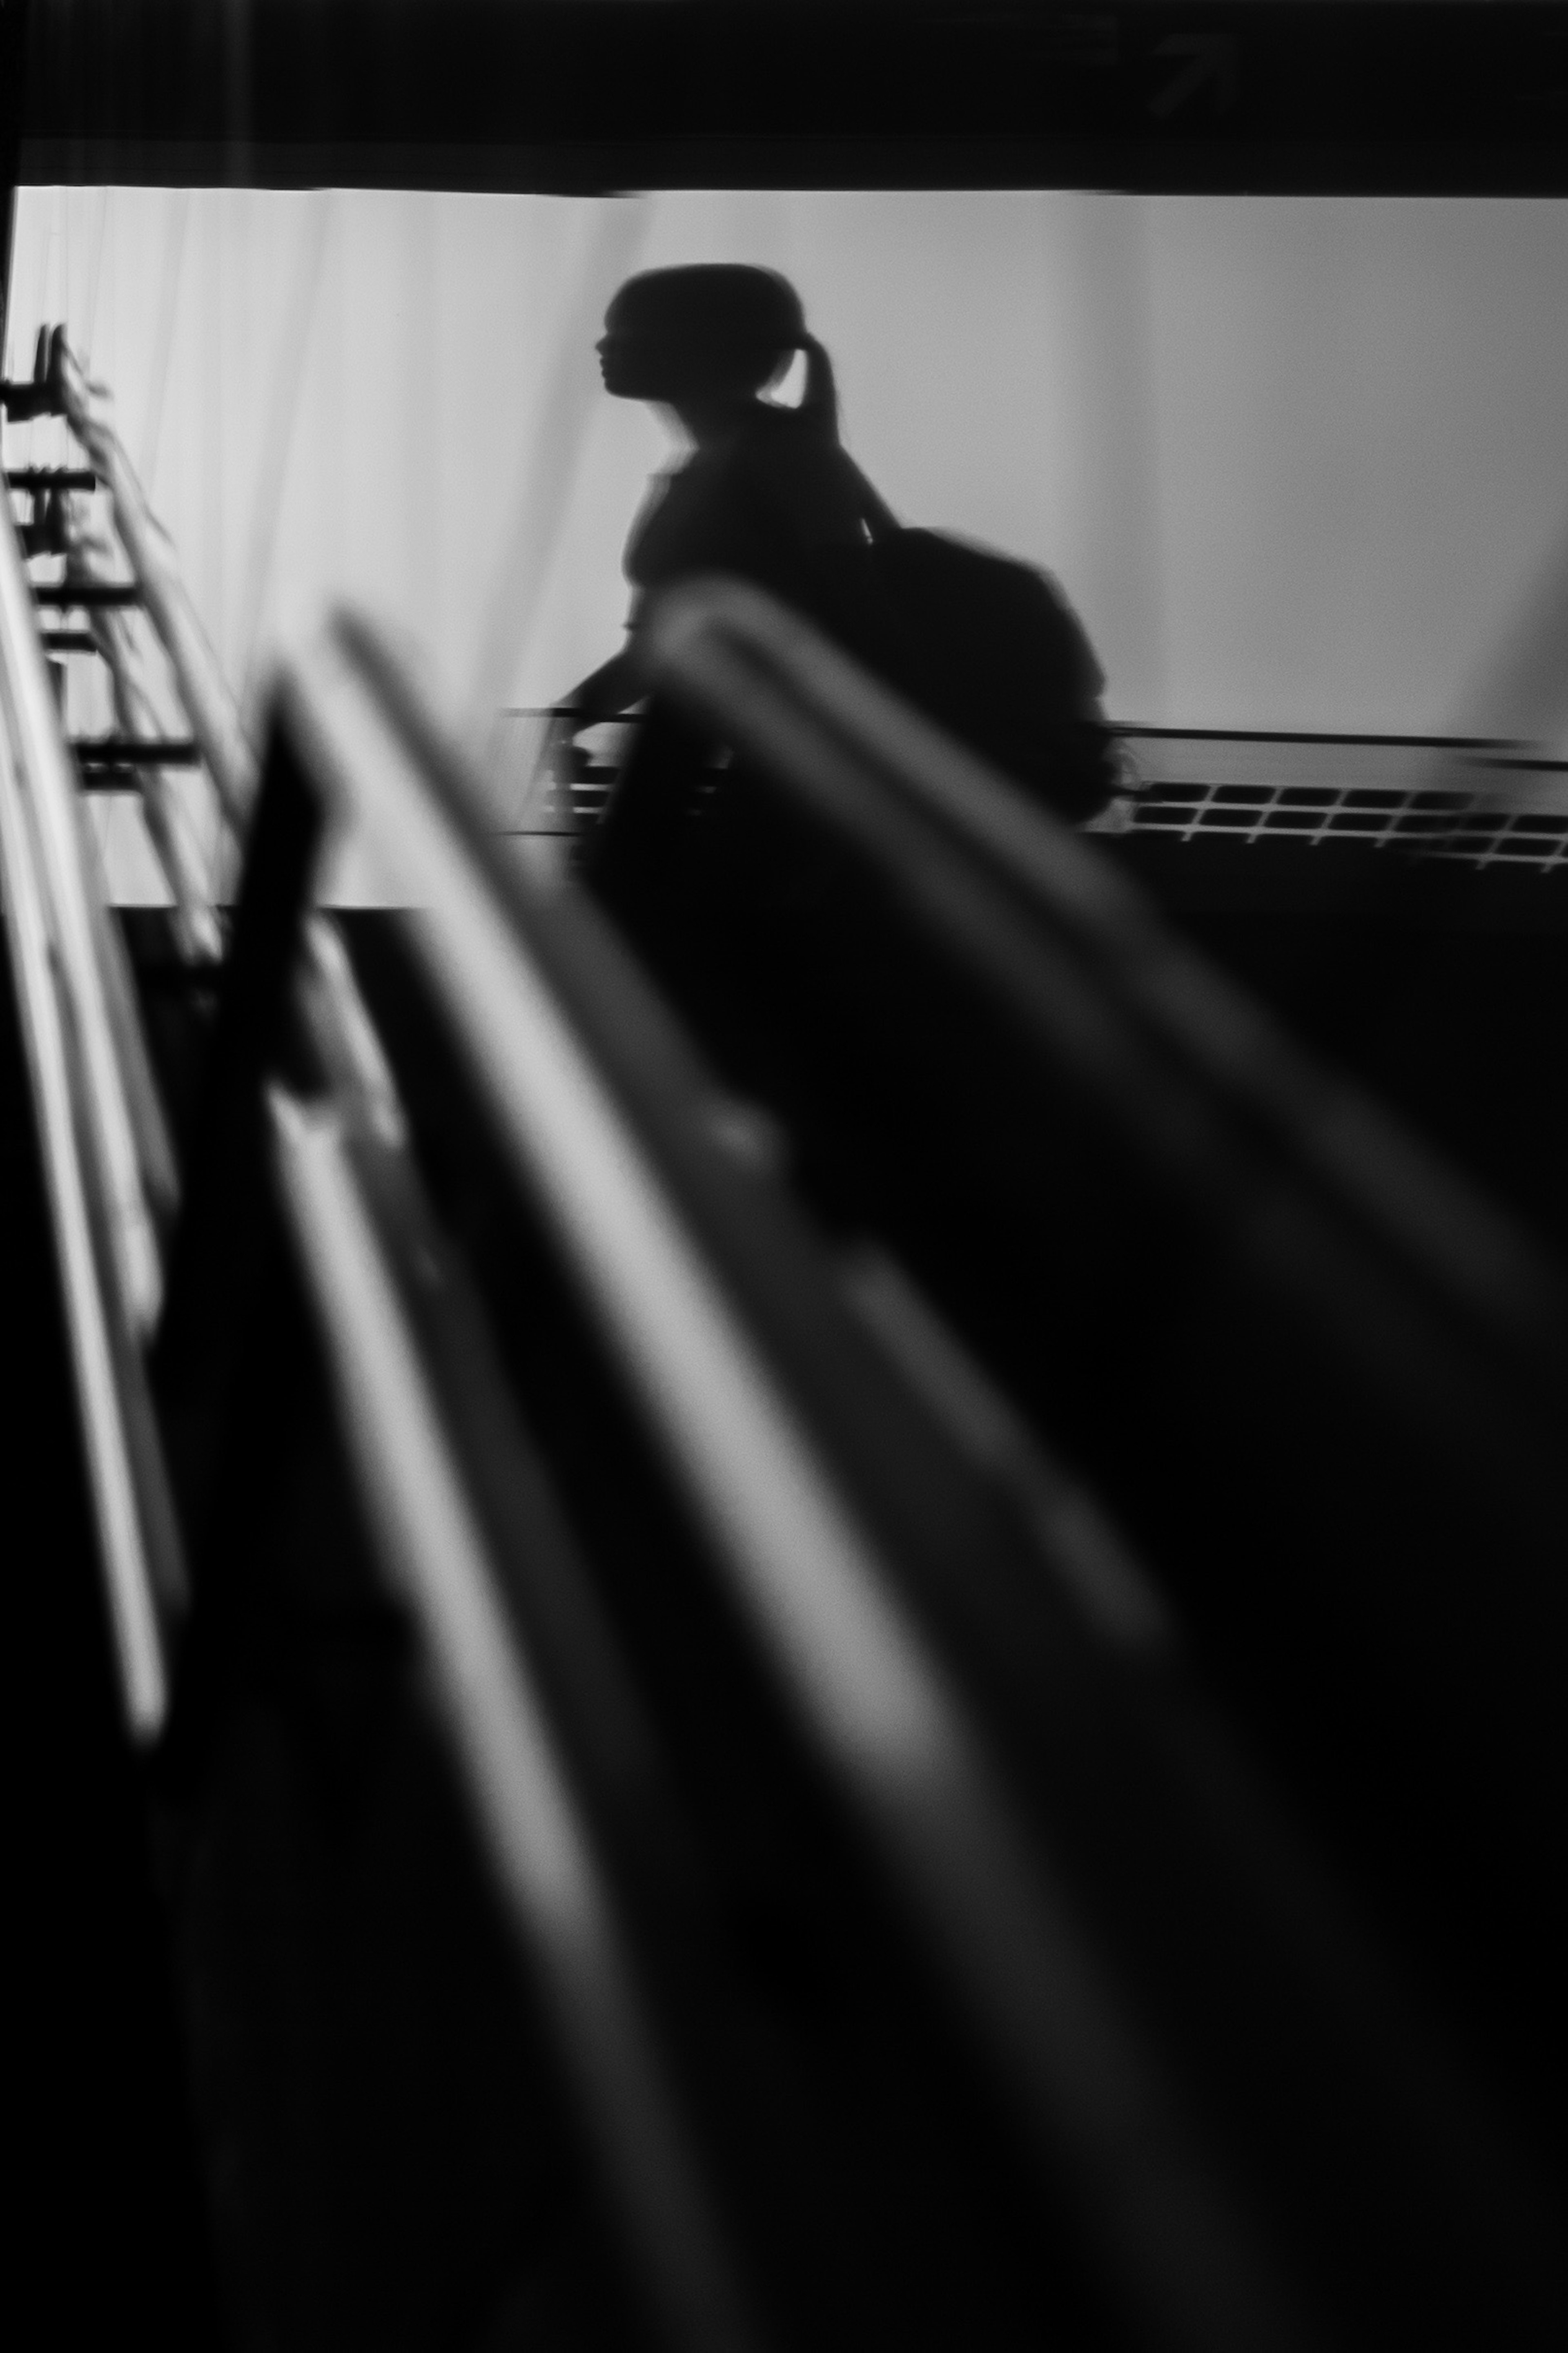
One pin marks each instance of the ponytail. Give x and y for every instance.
(819, 400)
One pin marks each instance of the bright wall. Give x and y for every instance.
(1298, 462)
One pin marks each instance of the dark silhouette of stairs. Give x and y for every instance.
(824, 1673)
(107, 2229)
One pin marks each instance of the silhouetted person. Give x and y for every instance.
(988, 647)
(767, 491)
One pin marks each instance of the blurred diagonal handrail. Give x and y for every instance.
(846, 746)
(48, 779)
(552, 1875)
(807, 1565)
(70, 1057)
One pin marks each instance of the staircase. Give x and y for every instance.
(834, 1595)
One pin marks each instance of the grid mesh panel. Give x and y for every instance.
(1485, 803)
(1500, 808)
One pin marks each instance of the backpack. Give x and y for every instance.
(986, 646)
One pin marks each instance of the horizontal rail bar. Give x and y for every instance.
(85, 595)
(22, 401)
(135, 752)
(1138, 733)
(38, 478)
(1135, 731)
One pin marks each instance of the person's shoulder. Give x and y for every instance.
(780, 451)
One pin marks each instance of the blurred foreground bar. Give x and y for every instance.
(839, 1593)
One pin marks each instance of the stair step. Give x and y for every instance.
(50, 477)
(136, 751)
(24, 400)
(66, 594)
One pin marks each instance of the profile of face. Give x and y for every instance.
(703, 335)
(640, 363)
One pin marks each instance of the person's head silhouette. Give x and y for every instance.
(707, 339)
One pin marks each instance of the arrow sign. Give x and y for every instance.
(1210, 65)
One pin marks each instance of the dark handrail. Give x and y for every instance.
(549, 1872)
(107, 1251)
(45, 763)
(805, 1565)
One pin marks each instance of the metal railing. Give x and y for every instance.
(139, 757)
(96, 1152)
(805, 1459)
(631, 1191)
(1484, 804)
(218, 733)
(439, 1560)
(993, 878)
(210, 708)
(436, 1553)
(748, 1367)
(113, 1183)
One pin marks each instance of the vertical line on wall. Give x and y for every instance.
(95, 275)
(283, 408)
(419, 472)
(63, 208)
(332, 509)
(168, 305)
(213, 421)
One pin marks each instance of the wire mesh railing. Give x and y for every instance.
(1484, 804)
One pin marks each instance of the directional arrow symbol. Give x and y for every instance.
(1210, 65)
